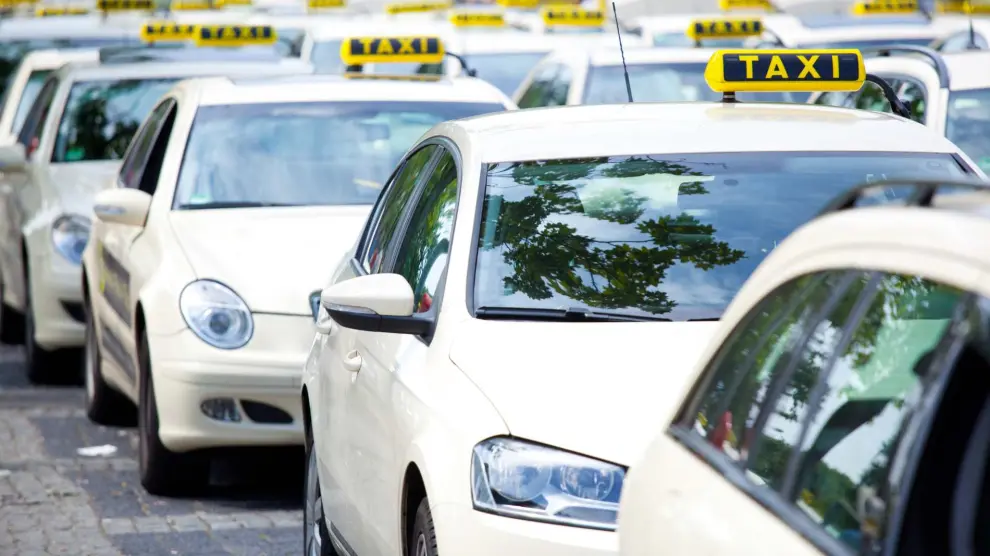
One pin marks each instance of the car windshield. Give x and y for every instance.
(869, 43)
(325, 57)
(315, 153)
(662, 82)
(30, 92)
(506, 70)
(101, 117)
(680, 39)
(11, 52)
(657, 236)
(968, 124)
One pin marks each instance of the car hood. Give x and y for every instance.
(76, 184)
(593, 388)
(274, 258)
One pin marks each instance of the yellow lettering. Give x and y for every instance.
(385, 47)
(835, 66)
(809, 66)
(776, 68)
(748, 60)
(406, 47)
(366, 45)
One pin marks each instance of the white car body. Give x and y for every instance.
(393, 418)
(265, 254)
(657, 30)
(678, 500)
(824, 33)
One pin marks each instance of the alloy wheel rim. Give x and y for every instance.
(421, 546)
(314, 511)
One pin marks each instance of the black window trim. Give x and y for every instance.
(160, 124)
(53, 82)
(168, 123)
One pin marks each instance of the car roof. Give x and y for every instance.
(67, 28)
(688, 127)
(799, 34)
(309, 88)
(613, 56)
(56, 58)
(496, 41)
(968, 70)
(380, 27)
(152, 70)
(680, 22)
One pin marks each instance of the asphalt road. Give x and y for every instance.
(54, 501)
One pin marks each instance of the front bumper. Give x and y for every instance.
(263, 384)
(464, 530)
(56, 297)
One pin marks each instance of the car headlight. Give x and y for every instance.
(216, 314)
(70, 232)
(528, 481)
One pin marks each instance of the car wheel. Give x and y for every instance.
(423, 541)
(40, 363)
(316, 538)
(163, 472)
(11, 324)
(104, 405)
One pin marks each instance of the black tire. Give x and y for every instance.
(104, 405)
(11, 324)
(42, 365)
(162, 471)
(313, 521)
(423, 539)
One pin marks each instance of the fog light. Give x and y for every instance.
(221, 409)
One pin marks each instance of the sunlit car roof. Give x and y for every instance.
(67, 28)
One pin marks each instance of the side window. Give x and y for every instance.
(913, 95)
(539, 88)
(137, 154)
(871, 97)
(811, 393)
(380, 241)
(30, 133)
(423, 255)
(153, 167)
(559, 87)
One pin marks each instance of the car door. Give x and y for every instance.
(385, 358)
(114, 305)
(342, 496)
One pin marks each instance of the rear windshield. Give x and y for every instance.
(506, 70)
(30, 92)
(658, 236)
(662, 82)
(314, 153)
(11, 52)
(101, 117)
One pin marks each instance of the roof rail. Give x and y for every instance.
(924, 192)
(934, 57)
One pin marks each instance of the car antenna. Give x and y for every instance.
(625, 70)
(972, 32)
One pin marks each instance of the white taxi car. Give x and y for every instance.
(841, 407)
(62, 157)
(477, 384)
(949, 93)
(668, 30)
(198, 296)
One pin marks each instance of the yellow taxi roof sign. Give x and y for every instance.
(724, 28)
(322, 4)
(572, 16)
(732, 5)
(417, 7)
(384, 50)
(195, 5)
(50, 11)
(523, 4)
(125, 5)
(872, 7)
(745, 70)
(234, 35)
(167, 31)
(477, 19)
(963, 7)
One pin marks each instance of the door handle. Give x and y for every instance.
(353, 361)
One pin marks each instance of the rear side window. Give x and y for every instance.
(31, 90)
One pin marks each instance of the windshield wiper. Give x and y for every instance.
(573, 314)
(231, 204)
(711, 319)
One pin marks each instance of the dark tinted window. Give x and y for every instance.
(30, 92)
(657, 235)
(134, 162)
(101, 117)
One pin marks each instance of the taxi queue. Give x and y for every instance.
(776, 265)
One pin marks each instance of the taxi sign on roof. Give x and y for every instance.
(785, 70)
(322, 4)
(962, 7)
(194, 5)
(234, 35)
(50, 11)
(238, 3)
(383, 50)
(730, 5)
(417, 7)
(524, 4)
(124, 5)
(167, 31)
(566, 15)
(724, 28)
(477, 19)
(382, 77)
(885, 7)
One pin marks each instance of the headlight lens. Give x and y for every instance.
(518, 479)
(216, 314)
(70, 232)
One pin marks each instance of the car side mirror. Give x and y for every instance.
(12, 155)
(122, 206)
(374, 303)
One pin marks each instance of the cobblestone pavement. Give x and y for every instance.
(54, 501)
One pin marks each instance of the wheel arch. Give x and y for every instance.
(413, 492)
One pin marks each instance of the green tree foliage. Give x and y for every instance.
(548, 256)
